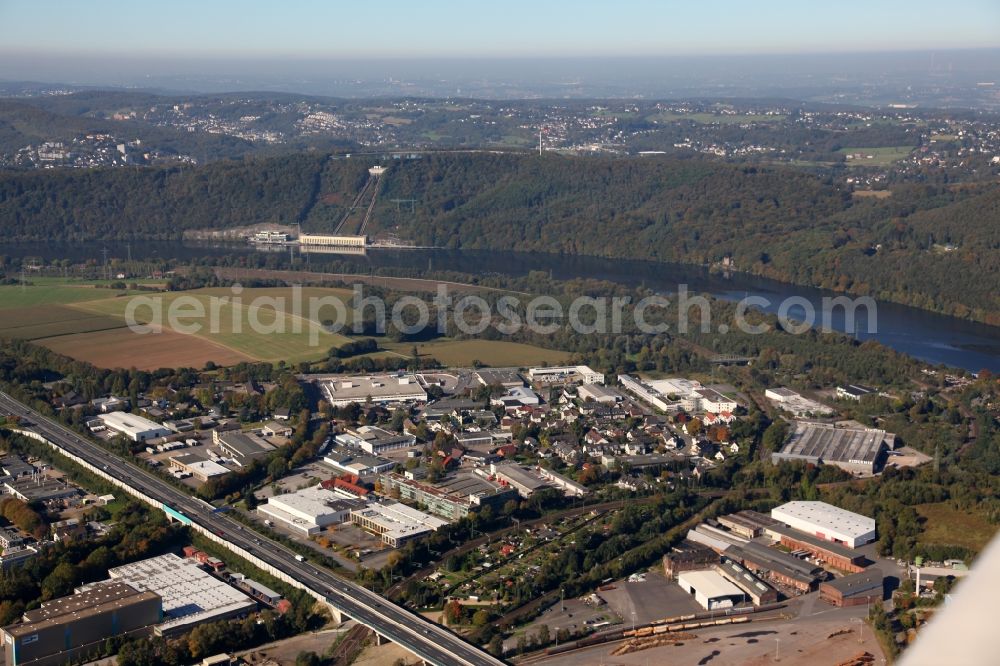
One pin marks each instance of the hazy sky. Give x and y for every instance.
(435, 28)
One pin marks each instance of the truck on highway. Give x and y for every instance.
(300, 558)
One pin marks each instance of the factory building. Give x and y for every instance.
(826, 521)
(309, 510)
(63, 630)
(688, 556)
(777, 566)
(710, 589)
(859, 451)
(759, 592)
(191, 596)
(379, 389)
(854, 590)
(830, 552)
(748, 524)
(136, 428)
(395, 522)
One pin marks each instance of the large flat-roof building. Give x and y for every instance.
(243, 447)
(710, 589)
(649, 394)
(309, 510)
(860, 451)
(795, 403)
(832, 553)
(395, 522)
(136, 428)
(525, 482)
(62, 630)
(197, 466)
(374, 440)
(40, 489)
(191, 596)
(599, 393)
(379, 389)
(343, 459)
(826, 521)
(570, 374)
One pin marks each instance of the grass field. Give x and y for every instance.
(123, 348)
(878, 156)
(871, 194)
(946, 525)
(709, 118)
(51, 320)
(496, 353)
(261, 325)
(15, 296)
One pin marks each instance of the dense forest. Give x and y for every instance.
(932, 246)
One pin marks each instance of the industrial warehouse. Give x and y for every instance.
(826, 521)
(781, 554)
(855, 590)
(136, 428)
(191, 595)
(62, 630)
(309, 510)
(859, 451)
(710, 589)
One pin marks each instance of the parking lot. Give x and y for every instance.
(654, 598)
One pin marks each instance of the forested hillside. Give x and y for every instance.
(936, 247)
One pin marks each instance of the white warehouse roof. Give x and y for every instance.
(190, 594)
(825, 517)
(131, 424)
(711, 584)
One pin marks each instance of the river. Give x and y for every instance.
(925, 335)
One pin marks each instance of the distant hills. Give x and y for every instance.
(932, 246)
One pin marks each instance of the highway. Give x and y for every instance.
(431, 642)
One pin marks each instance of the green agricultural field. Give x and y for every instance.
(46, 321)
(946, 525)
(710, 118)
(496, 353)
(882, 156)
(16, 296)
(260, 325)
